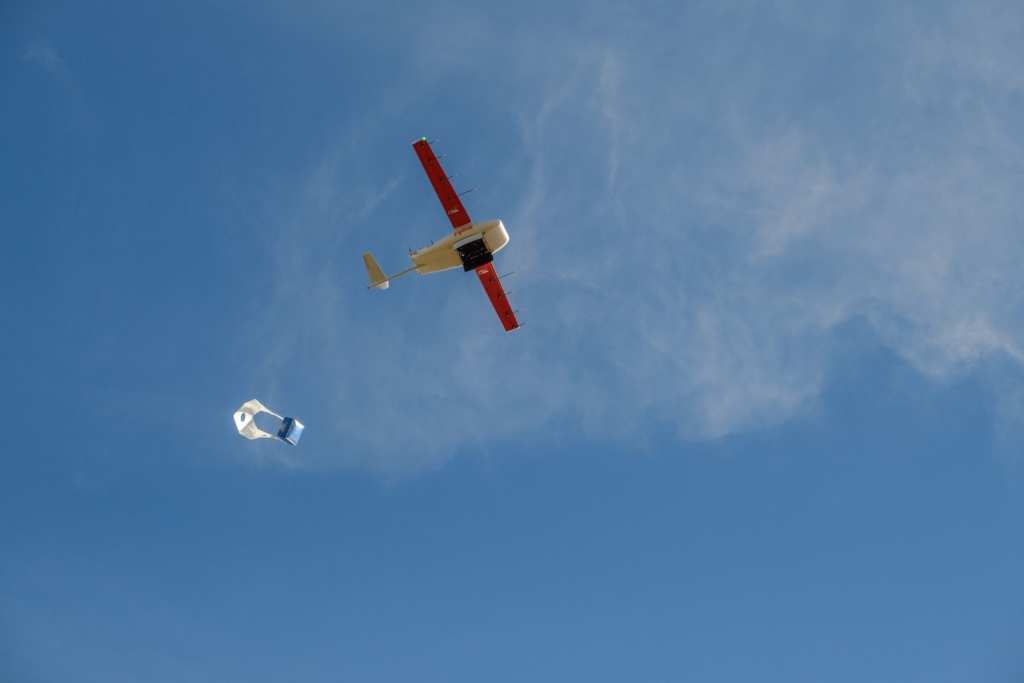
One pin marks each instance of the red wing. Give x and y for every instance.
(496, 293)
(442, 186)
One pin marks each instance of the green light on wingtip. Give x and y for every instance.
(424, 139)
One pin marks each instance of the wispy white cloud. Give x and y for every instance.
(41, 52)
(810, 230)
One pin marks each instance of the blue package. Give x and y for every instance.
(290, 431)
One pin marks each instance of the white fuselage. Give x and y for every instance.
(442, 254)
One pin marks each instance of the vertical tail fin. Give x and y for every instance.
(377, 277)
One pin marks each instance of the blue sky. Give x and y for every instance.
(764, 422)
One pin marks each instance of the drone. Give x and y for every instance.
(471, 245)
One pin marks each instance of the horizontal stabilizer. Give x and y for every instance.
(377, 277)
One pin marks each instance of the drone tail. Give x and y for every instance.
(377, 277)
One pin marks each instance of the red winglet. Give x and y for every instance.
(442, 186)
(496, 293)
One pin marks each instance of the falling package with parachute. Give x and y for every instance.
(290, 430)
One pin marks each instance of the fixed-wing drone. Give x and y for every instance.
(471, 245)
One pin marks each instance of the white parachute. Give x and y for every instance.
(290, 430)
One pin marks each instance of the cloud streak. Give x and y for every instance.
(43, 54)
